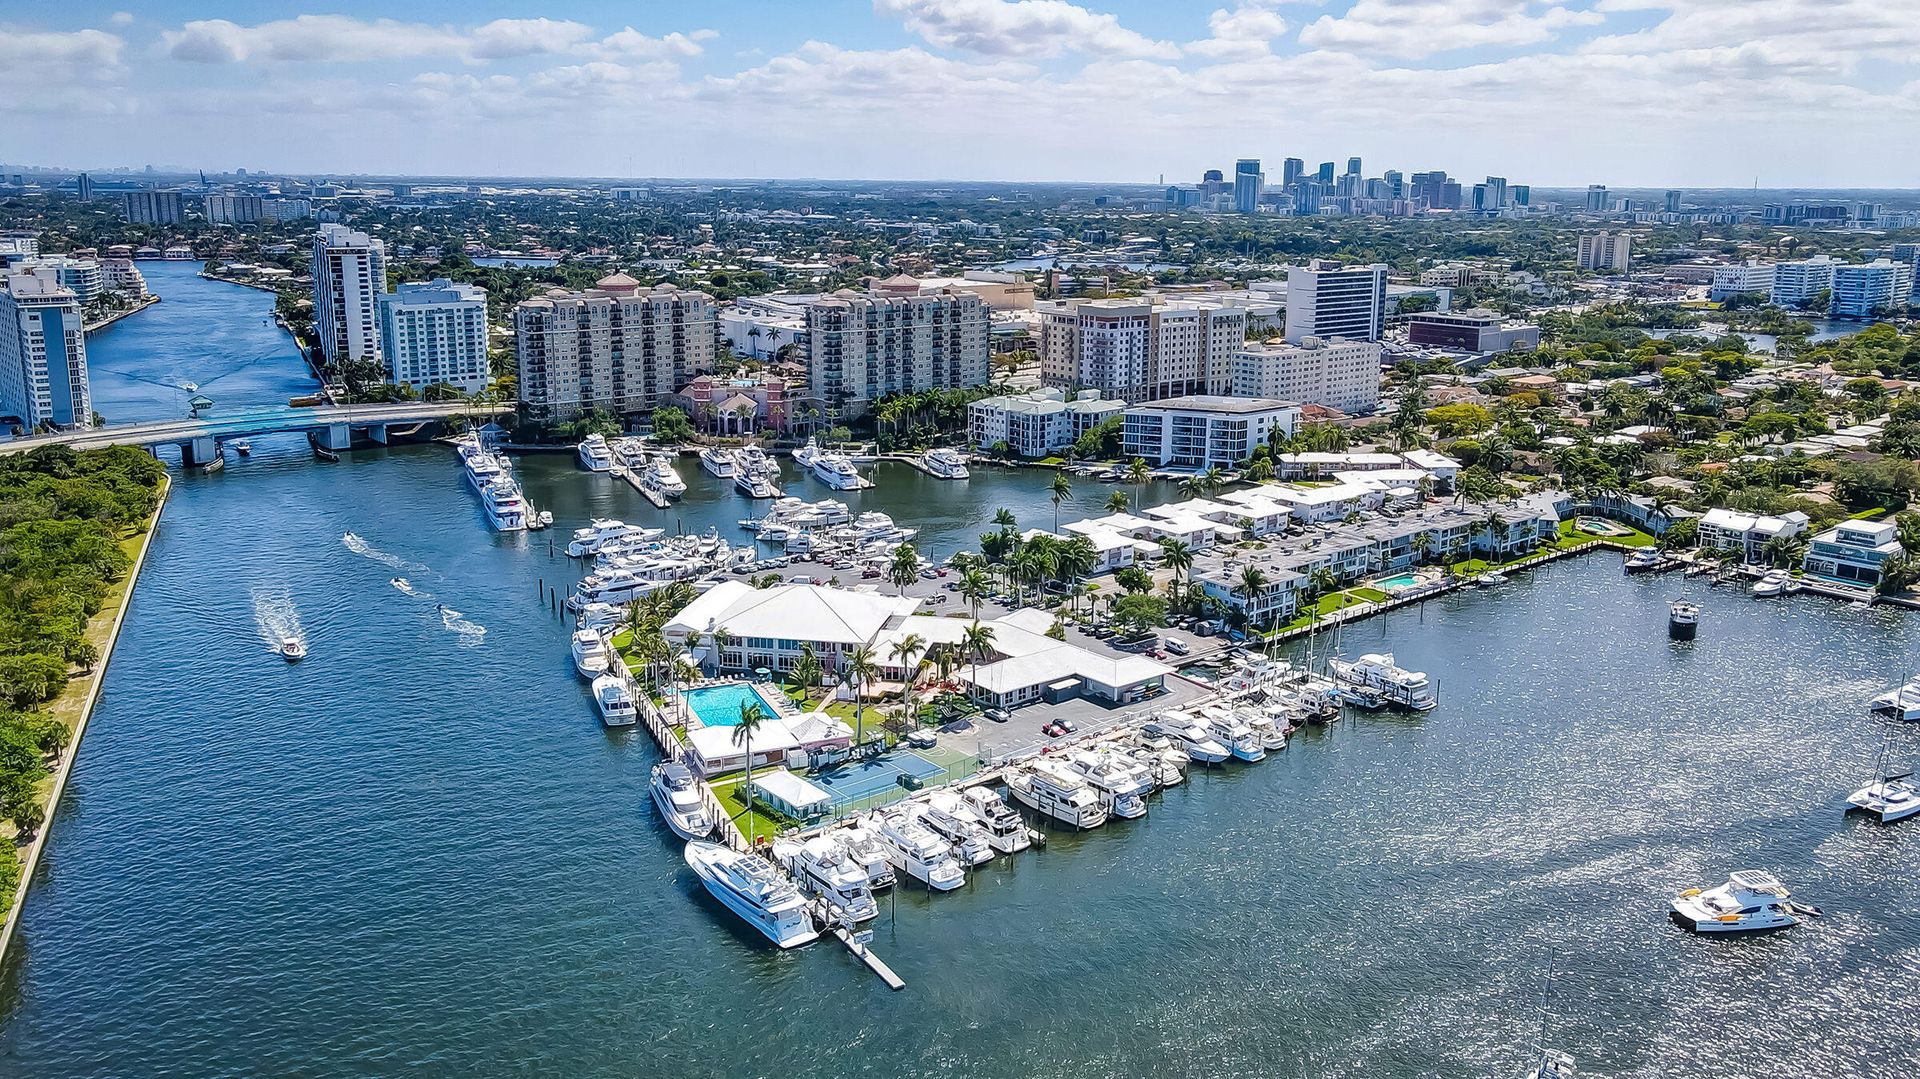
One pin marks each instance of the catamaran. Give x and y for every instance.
(1750, 901)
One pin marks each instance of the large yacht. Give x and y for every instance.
(1229, 730)
(720, 462)
(836, 471)
(594, 453)
(755, 891)
(822, 868)
(616, 586)
(919, 853)
(660, 478)
(867, 852)
(945, 464)
(1121, 782)
(590, 654)
(1189, 737)
(1900, 702)
(805, 455)
(969, 841)
(676, 794)
(506, 510)
(758, 479)
(1751, 900)
(1265, 726)
(1376, 672)
(1005, 830)
(1058, 793)
(1773, 583)
(590, 540)
(615, 702)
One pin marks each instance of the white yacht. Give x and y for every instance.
(1889, 799)
(676, 794)
(919, 853)
(1683, 620)
(610, 695)
(659, 477)
(1773, 583)
(719, 462)
(867, 852)
(1231, 731)
(1266, 727)
(837, 472)
(945, 464)
(1642, 560)
(591, 657)
(1751, 900)
(1900, 702)
(1166, 767)
(1005, 830)
(293, 649)
(617, 586)
(506, 510)
(602, 616)
(755, 891)
(970, 842)
(1057, 792)
(1490, 579)
(804, 456)
(1189, 737)
(1121, 782)
(761, 480)
(589, 540)
(1377, 672)
(822, 868)
(594, 453)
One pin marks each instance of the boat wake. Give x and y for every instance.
(276, 618)
(472, 634)
(361, 547)
(408, 588)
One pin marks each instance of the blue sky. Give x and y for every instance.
(1625, 92)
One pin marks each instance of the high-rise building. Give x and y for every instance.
(349, 276)
(1673, 202)
(1140, 349)
(1333, 372)
(1496, 192)
(435, 333)
(1596, 198)
(151, 207)
(1751, 276)
(1327, 299)
(862, 346)
(43, 353)
(1871, 289)
(286, 209)
(1606, 251)
(1909, 254)
(1291, 171)
(1522, 195)
(1246, 185)
(1396, 185)
(83, 185)
(1795, 283)
(618, 346)
(234, 209)
(1353, 166)
(1325, 175)
(80, 276)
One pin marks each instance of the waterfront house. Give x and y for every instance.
(1852, 552)
(1747, 533)
(770, 627)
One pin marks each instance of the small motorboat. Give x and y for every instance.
(1490, 580)
(293, 649)
(1774, 583)
(242, 446)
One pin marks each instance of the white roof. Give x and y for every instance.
(791, 790)
(1033, 658)
(1320, 496)
(1430, 459)
(793, 612)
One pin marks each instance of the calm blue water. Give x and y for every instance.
(418, 852)
(719, 706)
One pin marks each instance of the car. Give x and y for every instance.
(1177, 646)
(951, 586)
(922, 739)
(928, 574)
(1053, 730)
(800, 578)
(1158, 653)
(998, 715)
(869, 572)
(1066, 725)
(941, 572)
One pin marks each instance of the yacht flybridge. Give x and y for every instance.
(919, 853)
(720, 462)
(1750, 901)
(1121, 782)
(1005, 830)
(822, 868)
(594, 454)
(676, 794)
(590, 653)
(755, 891)
(945, 464)
(1057, 792)
(1376, 673)
(1189, 737)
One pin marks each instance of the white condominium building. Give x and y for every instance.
(1794, 283)
(235, 209)
(1871, 289)
(618, 346)
(1333, 372)
(1140, 349)
(82, 277)
(120, 275)
(1202, 431)
(1606, 251)
(1037, 423)
(349, 277)
(863, 346)
(1327, 299)
(1750, 276)
(43, 354)
(435, 332)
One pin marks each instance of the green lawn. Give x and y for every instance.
(808, 702)
(766, 823)
(1637, 538)
(1335, 601)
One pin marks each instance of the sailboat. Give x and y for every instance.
(1891, 795)
(1548, 1063)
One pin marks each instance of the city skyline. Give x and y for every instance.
(1662, 92)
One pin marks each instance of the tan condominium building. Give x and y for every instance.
(1142, 349)
(619, 346)
(1333, 372)
(862, 346)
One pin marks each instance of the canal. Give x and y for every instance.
(417, 852)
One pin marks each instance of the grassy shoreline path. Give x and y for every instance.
(74, 707)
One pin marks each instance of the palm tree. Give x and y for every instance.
(974, 587)
(1138, 473)
(1177, 556)
(905, 568)
(751, 716)
(1422, 542)
(976, 641)
(1252, 583)
(907, 650)
(718, 641)
(860, 669)
(1117, 502)
(1496, 531)
(1260, 470)
(807, 670)
(1061, 490)
(1005, 519)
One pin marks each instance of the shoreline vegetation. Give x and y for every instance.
(74, 531)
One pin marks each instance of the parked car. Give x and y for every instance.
(1066, 725)
(998, 715)
(1177, 646)
(1053, 730)
(869, 572)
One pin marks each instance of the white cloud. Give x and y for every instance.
(121, 18)
(631, 44)
(1420, 28)
(1245, 31)
(1020, 28)
(818, 74)
(22, 49)
(342, 38)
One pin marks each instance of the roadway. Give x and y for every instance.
(252, 422)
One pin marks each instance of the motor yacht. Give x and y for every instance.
(659, 477)
(1121, 782)
(1057, 792)
(1166, 767)
(798, 543)
(676, 794)
(805, 455)
(1189, 737)
(1643, 560)
(611, 696)
(837, 472)
(867, 852)
(1377, 672)
(1683, 620)
(591, 656)
(591, 539)
(594, 454)
(821, 867)
(293, 649)
(919, 853)
(1750, 901)
(1889, 798)
(1900, 702)
(758, 480)
(1004, 828)
(945, 464)
(719, 462)
(969, 841)
(754, 890)
(1265, 726)
(1231, 731)
(1773, 583)
(602, 616)
(506, 510)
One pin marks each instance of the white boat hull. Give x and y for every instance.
(676, 820)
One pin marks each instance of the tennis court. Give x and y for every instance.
(863, 779)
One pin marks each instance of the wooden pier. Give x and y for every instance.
(659, 500)
(865, 955)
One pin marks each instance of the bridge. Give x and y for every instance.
(329, 427)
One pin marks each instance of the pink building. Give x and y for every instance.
(740, 406)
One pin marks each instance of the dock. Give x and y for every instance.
(873, 962)
(659, 500)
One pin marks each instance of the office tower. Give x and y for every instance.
(1212, 176)
(349, 276)
(43, 353)
(1481, 198)
(1140, 349)
(151, 207)
(1673, 202)
(617, 346)
(1291, 170)
(84, 185)
(1326, 299)
(1522, 195)
(1306, 198)
(1606, 250)
(1496, 192)
(433, 333)
(1596, 198)
(1246, 185)
(1353, 166)
(1396, 186)
(1325, 175)
(863, 346)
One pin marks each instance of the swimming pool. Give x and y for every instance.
(719, 706)
(1404, 580)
